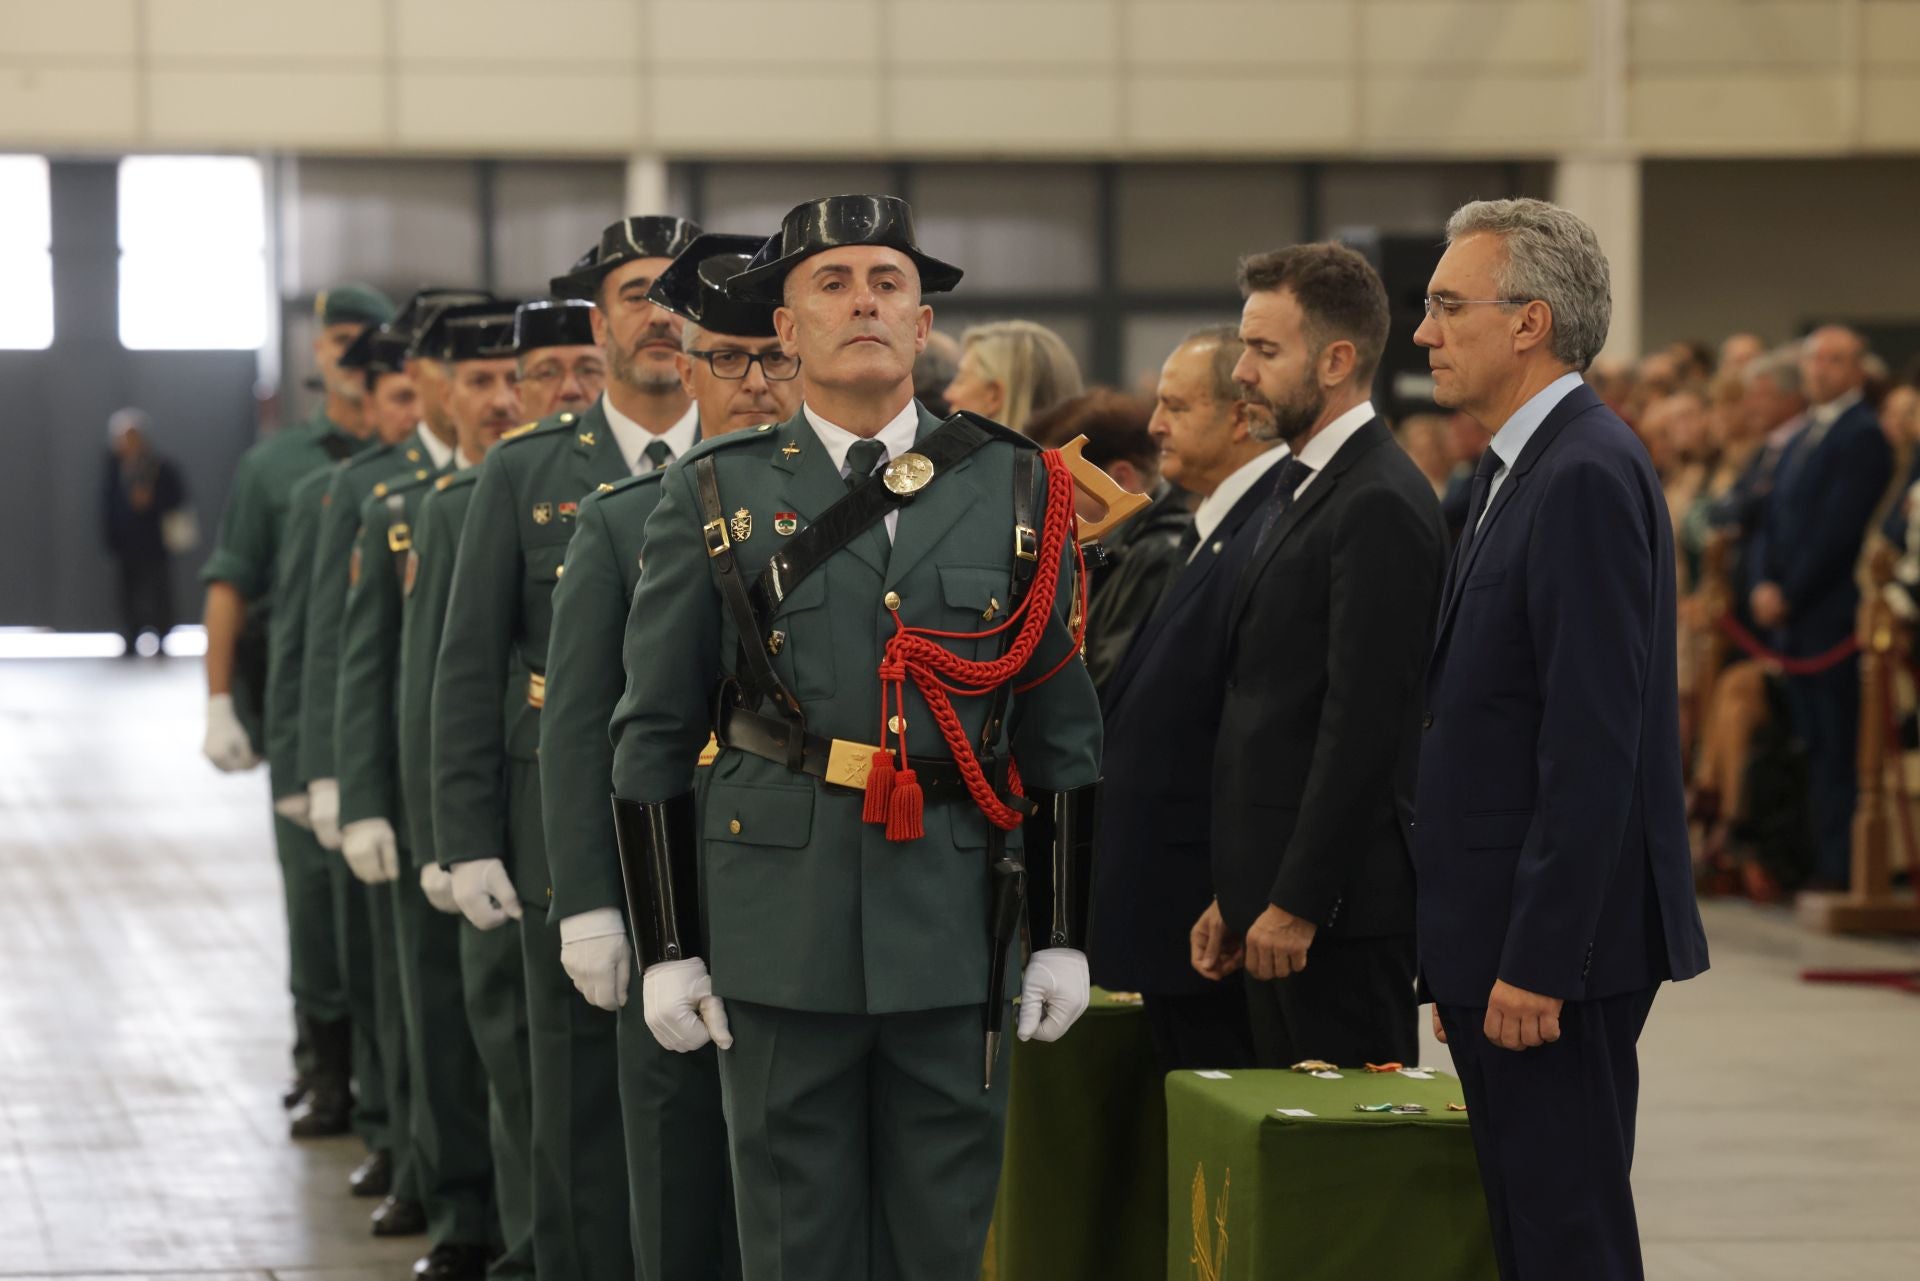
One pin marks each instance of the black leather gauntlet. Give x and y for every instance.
(1059, 879)
(659, 865)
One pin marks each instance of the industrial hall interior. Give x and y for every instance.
(959, 640)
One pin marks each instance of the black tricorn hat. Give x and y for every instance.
(378, 350)
(647, 236)
(418, 311)
(552, 322)
(695, 287)
(829, 223)
(473, 331)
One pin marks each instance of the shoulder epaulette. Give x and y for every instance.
(522, 430)
(732, 440)
(367, 457)
(465, 476)
(609, 491)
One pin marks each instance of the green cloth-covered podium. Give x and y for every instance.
(1275, 1175)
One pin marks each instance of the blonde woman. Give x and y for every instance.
(1012, 370)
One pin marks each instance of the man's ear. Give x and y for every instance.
(787, 329)
(1535, 327)
(1337, 362)
(683, 365)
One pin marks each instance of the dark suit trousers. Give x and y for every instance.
(1826, 714)
(1352, 1005)
(1200, 1030)
(1553, 1128)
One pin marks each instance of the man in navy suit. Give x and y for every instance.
(1327, 638)
(1550, 840)
(1825, 491)
(1162, 708)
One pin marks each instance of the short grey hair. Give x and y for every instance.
(1781, 367)
(1226, 344)
(1553, 257)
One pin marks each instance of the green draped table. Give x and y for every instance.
(1083, 1188)
(1332, 1195)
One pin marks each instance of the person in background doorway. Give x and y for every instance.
(143, 494)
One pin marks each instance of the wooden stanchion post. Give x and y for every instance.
(1870, 905)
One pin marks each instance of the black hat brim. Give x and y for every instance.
(766, 283)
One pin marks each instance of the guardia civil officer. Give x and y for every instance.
(486, 791)
(733, 368)
(239, 577)
(453, 1165)
(560, 365)
(858, 821)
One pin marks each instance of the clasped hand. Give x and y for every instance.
(1275, 947)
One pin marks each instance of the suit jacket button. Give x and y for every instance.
(734, 827)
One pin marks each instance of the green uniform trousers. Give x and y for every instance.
(449, 1085)
(493, 983)
(319, 993)
(353, 935)
(863, 1146)
(390, 1021)
(581, 1218)
(682, 1191)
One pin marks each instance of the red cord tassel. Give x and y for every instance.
(880, 785)
(906, 819)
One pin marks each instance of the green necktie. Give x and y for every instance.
(658, 454)
(862, 459)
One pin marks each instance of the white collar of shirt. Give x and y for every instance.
(435, 450)
(633, 439)
(1319, 451)
(1214, 507)
(1511, 440)
(897, 436)
(1825, 416)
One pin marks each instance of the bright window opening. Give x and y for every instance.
(193, 253)
(26, 254)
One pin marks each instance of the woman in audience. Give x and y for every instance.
(1013, 370)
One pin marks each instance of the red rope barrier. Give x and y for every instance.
(1746, 641)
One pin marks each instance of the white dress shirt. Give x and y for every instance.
(633, 439)
(897, 436)
(1214, 507)
(1511, 440)
(431, 443)
(1319, 451)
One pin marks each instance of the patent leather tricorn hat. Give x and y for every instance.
(552, 322)
(695, 287)
(833, 222)
(474, 331)
(646, 236)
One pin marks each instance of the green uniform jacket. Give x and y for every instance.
(525, 506)
(327, 592)
(423, 617)
(246, 553)
(287, 631)
(809, 908)
(584, 682)
(368, 712)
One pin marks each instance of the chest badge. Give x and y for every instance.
(741, 525)
(908, 474)
(568, 511)
(586, 438)
(784, 523)
(543, 513)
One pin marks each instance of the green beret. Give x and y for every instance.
(353, 305)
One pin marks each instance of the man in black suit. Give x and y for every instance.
(1162, 707)
(1551, 847)
(1825, 490)
(1328, 633)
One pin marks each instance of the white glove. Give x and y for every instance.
(437, 884)
(371, 850)
(323, 809)
(594, 952)
(226, 743)
(681, 1010)
(1054, 993)
(485, 893)
(294, 808)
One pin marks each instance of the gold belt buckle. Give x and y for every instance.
(536, 690)
(848, 763)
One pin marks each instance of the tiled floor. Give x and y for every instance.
(143, 1034)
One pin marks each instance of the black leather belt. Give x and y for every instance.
(837, 762)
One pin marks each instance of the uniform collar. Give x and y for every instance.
(897, 435)
(633, 439)
(441, 454)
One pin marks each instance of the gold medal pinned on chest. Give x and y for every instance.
(543, 513)
(740, 525)
(908, 474)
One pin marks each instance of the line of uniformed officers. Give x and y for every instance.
(816, 647)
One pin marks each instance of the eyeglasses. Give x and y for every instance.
(733, 364)
(1440, 307)
(546, 374)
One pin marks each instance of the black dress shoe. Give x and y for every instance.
(452, 1262)
(374, 1176)
(326, 1111)
(398, 1218)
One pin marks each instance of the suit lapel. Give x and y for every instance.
(1368, 437)
(808, 484)
(935, 510)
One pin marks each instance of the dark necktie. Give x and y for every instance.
(1477, 497)
(1292, 472)
(1189, 539)
(862, 458)
(658, 454)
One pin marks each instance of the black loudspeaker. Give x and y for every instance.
(1402, 385)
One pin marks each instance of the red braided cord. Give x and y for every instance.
(914, 652)
(1813, 666)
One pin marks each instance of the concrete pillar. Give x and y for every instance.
(646, 185)
(1605, 190)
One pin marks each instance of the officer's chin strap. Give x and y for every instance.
(893, 795)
